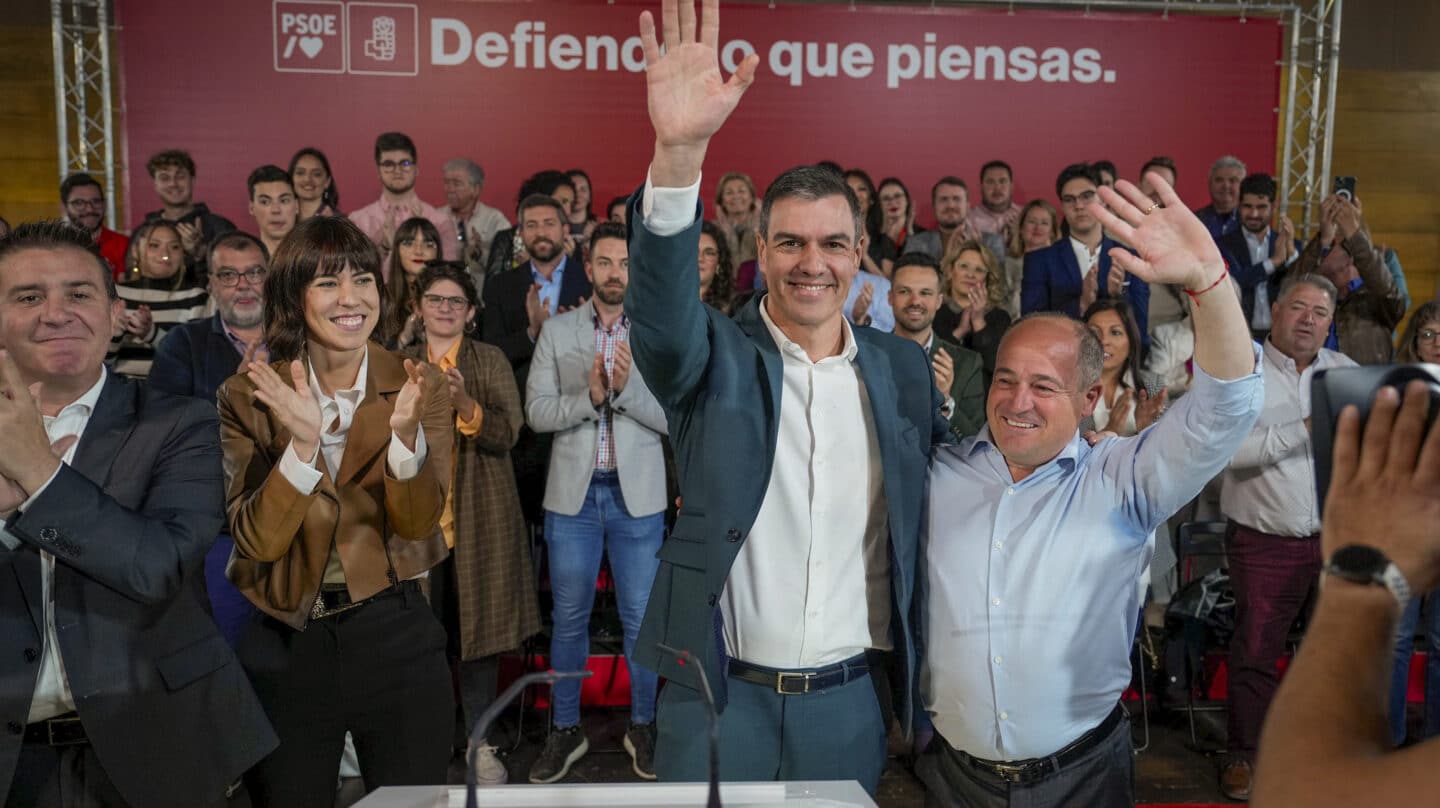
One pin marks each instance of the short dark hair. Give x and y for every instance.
(996, 164)
(170, 158)
(541, 201)
(918, 259)
(1076, 171)
(267, 173)
(78, 180)
(320, 245)
(235, 240)
(330, 196)
(1259, 185)
(947, 180)
(438, 269)
(619, 200)
(1105, 167)
(607, 230)
(395, 141)
(56, 234)
(831, 165)
(543, 183)
(813, 184)
(1160, 161)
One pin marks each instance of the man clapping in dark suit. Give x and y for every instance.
(115, 686)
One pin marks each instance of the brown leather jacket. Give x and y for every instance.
(375, 522)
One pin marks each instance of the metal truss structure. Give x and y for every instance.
(84, 110)
(84, 92)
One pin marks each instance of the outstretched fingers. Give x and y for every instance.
(710, 24)
(647, 38)
(687, 21)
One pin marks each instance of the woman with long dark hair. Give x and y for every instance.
(1131, 398)
(337, 464)
(417, 242)
(897, 212)
(582, 216)
(879, 256)
(717, 269)
(314, 184)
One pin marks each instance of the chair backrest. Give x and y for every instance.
(1199, 540)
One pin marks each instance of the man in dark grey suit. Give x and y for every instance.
(115, 686)
(801, 445)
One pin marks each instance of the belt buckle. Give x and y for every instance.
(803, 678)
(1010, 773)
(50, 726)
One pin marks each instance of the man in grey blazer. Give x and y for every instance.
(605, 490)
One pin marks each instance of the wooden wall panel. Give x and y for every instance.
(29, 163)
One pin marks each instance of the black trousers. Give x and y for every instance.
(377, 671)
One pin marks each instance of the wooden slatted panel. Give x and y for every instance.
(28, 163)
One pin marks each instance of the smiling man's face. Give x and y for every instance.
(809, 259)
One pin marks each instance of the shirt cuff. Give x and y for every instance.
(304, 476)
(668, 211)
(403, 463)
(1268, 266)
(471, 428)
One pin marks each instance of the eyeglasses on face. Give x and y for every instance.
(83, 204)
(229, 277)
(392, 165)
(442, 302)
(1428, 335)
(1083, 198)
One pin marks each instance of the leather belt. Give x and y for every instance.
(62, 730)
(1023, 772)
(798, 683)
(333, 599)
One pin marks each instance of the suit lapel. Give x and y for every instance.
(753, 325)
(1072, 266)
(369, 433)
(109, 425)
(879, 381)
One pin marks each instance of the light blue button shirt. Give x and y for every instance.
(882, 318)
(550, 290)
(1030, 596)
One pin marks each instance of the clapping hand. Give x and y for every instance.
(465, 406)
(27, 456)
(1150, 408)
(293, 405)
(190, 236)
(1090, 286)
(689, 100)
(944, 371)
(138, 321)
(409, 404)
(620, 373)
(860, 312)
(1115, 281)
(537, 310)
(597, 380)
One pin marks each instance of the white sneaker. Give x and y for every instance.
(489, 771)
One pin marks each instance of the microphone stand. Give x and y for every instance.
(482, 724)
(712, 719)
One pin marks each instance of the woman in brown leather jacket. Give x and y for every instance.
(337, 462)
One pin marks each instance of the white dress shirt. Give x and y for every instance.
(1270, 485)
(1029, 588)
(819, 548)
(52, 688)
(1259, 245)
(338, 412)
(1085, 257)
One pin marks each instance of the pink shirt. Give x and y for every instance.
(371, 221)
(987, 222)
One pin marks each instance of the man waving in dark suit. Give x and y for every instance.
(115, 686)
(801, 445)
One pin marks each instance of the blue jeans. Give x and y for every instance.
(1404, 644)
(575, 543)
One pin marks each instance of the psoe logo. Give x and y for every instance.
(309, 36)
(383, 39)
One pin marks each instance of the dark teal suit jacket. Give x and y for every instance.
(719, 381)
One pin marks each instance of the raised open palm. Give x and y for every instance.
(688, 97)
(1173, 246)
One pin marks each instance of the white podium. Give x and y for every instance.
(816, 794)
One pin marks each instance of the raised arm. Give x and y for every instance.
(1172, 246)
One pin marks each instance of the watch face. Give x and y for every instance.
(1357, 562)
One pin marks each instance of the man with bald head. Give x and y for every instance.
(1035, 540)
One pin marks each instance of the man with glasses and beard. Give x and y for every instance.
(605, 490)
(397, 162)
(194, 359)
(82, 200)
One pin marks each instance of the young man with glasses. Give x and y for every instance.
(82, 201)
(1074, 272)
(395, 159)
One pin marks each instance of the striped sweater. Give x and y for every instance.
(130, 355)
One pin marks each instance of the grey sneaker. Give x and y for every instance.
(562, 748)
(640, 743)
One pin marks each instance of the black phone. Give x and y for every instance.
(1345, 186)
(1332, 389)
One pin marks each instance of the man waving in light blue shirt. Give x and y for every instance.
(1036, 539)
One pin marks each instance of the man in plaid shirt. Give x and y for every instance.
(605, 491)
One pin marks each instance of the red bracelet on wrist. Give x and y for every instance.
(1195, 296)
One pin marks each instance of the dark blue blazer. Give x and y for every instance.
(1248, 274)
(1052, 277)
(162, 697)
(194, 359)
(719, 381)
(504, 321)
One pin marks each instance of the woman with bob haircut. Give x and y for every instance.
(337, 464)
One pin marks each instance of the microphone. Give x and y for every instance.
(482, 724)
(712, 719)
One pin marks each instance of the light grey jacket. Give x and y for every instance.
(557, 399)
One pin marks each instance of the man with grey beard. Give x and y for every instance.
(194, 359)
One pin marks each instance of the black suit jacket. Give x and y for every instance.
(1248, 274)
(194, 359)
(505, 320)
(162, 697)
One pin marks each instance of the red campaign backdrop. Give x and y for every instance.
(911, 92)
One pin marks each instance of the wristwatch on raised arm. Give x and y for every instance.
(1363, 564)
